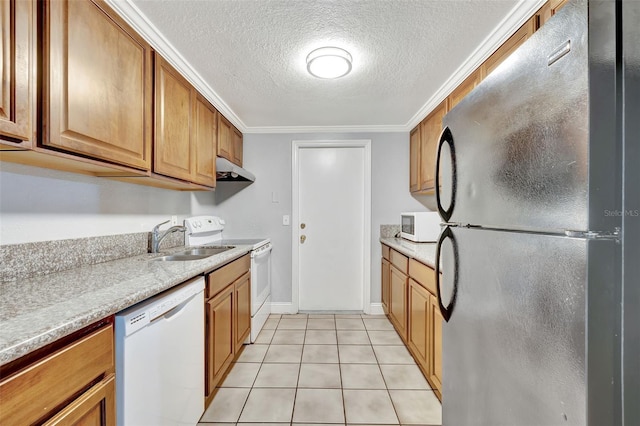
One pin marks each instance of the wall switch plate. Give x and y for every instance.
(285, 220)
(174, 220)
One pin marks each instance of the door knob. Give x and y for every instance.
(302, 239)
(303, 225)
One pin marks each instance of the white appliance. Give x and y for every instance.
(207, 231)
(420, 227)
(159, 358)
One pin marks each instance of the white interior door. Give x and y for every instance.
(331, 227)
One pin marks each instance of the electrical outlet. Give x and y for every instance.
(285, 220)
(174, 220)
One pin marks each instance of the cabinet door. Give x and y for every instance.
(435, 367)
(225, 138)
(205, 136)
(463, 89)
(419, 323)
(237, 147)
(219, 337)
(96, 407)
(16, 67)
(98, 78)
(386, 276)
(173, 151)
(430, 130)
(398, 302)
(242, 312)
(414, 160)
(507, 48)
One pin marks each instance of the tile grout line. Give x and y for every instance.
(395, 411)
(295, 394)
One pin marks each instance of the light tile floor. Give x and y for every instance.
(325, 369)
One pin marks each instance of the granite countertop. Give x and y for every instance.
(37, 311)
(422, 252)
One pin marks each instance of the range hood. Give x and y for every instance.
(226, 171)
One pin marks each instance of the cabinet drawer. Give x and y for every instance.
(220, 278)
(423, 274)
(36, 391)
(400, 261)
(386, 252)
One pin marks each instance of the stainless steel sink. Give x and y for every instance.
(193, 254)
(205, 251)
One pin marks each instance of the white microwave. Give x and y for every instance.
(420, 227)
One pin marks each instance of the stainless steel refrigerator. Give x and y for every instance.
(538, 188)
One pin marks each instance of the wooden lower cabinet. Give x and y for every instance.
(414, 312)
(242, 313)
(95, 407)
(227, 319)
(419, 323)
(398, 301)
(72, 383)
(386, 277)
(219, 338)
(435, 367)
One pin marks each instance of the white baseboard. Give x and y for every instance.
(288, 308)
(283, 308)
(376, 309)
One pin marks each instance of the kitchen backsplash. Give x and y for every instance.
(41, 258)
(389, 231)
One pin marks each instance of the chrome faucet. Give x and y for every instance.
(157, 236)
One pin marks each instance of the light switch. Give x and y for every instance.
(274, 197)
(285, 220)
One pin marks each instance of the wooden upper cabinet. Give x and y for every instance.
(237, 147)
(463, 89)
(430, 131)
(98, 84)
(186, 128)
(547, 11)
(507, 48)
(225, 138)
(17, 69)
(173, 151)
(414, 159)
(205, 135)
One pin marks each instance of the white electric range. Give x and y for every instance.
(207, 231)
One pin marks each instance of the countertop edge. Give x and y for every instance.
(422, 252)
(55, 330)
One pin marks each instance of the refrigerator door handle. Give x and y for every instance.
(446, 137)
(446, 311)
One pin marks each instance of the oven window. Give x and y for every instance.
(408, 224)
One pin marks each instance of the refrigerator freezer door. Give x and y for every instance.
(514, 347)
(521, 138)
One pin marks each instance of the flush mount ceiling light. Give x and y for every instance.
(329, 62)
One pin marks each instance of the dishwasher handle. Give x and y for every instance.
(172, 312)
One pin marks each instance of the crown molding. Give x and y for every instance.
(514, 20)
(134, 17)
(328, 129)
(522, 12)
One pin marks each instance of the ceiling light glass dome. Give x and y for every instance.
(329, 62)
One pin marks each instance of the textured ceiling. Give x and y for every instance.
(252, 54)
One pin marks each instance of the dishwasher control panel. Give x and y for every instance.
(140, 315)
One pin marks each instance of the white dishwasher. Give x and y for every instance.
(160, 358)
